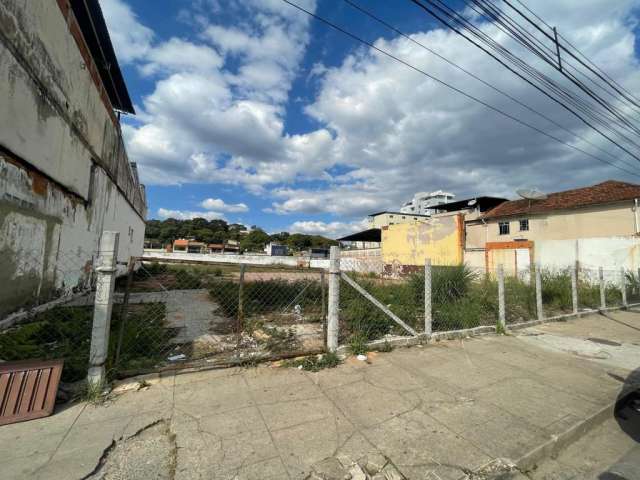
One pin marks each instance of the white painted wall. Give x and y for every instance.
(611, 253)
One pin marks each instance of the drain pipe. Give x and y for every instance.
(637, 221)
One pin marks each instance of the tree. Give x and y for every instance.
(255, 240)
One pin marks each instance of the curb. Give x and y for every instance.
(574, 433)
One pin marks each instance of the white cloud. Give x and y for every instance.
(330, 229)
(222, 118)
(177, 55)
(131, 40)
(164, 213)
(219, 204)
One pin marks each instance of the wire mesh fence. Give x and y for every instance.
(168, 315)
(44, 311)
(178, 314)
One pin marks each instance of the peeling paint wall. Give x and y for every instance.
(440, 239)
(64, 173)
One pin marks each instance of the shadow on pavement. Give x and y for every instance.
(627, 414)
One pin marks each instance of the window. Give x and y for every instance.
(403, 217)
(524, 225)
(503, 228)
(390, 216)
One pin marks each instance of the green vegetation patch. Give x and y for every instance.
(65, 332)
(315, 363)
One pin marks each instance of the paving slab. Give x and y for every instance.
(435, 412)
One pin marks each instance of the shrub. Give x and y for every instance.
(65, 332)
(265, 296)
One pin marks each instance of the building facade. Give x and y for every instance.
(593, 226)
(64, 172)
(384, 219)
(422, 203)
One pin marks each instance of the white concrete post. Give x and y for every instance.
(574, 288)
(539, 309)
(603, 292)
(502, 317)
(105, 283)
(623, 286)
(334, 299)
(428, 319)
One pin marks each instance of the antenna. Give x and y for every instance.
(531, 194)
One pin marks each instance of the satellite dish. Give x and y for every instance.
(531, 194)
(471, 203)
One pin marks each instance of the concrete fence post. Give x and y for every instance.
(603, 290)
(333, 307)
(623, 286)
(502, 317)
(240, 319)
(428, 318)
(539, 309)
(574, 288)
(103, 304)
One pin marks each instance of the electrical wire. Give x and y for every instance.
(510, 57)
(451, 87)
(484, 82)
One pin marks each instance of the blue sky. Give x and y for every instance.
(253, 112)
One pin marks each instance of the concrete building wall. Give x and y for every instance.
(440, 238)
(393, 218)
(64, 173)
(603, 235)
(600, 221)
(609, 252)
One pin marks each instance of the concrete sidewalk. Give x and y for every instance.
(440, 411)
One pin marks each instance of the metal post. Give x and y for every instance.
(603, 293)
(324, 307)
(539, 309)
(501, 305)
(623, 286)
(124, 308)
(241, 300)
(428, 319)
(334, 299)
(574, 288)
(103, 304)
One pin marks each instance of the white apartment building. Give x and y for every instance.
(423, 202)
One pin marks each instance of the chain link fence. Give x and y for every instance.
(46, 310)
(172, 315)
(185, 314)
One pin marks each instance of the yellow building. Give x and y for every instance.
(406, 246)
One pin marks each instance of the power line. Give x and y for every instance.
(484, 82)
(510, 57)
(451, 87)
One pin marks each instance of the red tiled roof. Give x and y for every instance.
(181, 242)
(605, 192)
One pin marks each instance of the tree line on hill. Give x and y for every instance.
(219, 231)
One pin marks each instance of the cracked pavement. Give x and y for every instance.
(438, 411)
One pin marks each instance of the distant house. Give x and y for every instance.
(229, 246)
(276, 249)
(189, 246)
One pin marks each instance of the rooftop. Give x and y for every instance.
(94, 30)
(397, 213)
(606, 192)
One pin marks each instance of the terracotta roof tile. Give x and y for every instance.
(605, 192)
(181, 242)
